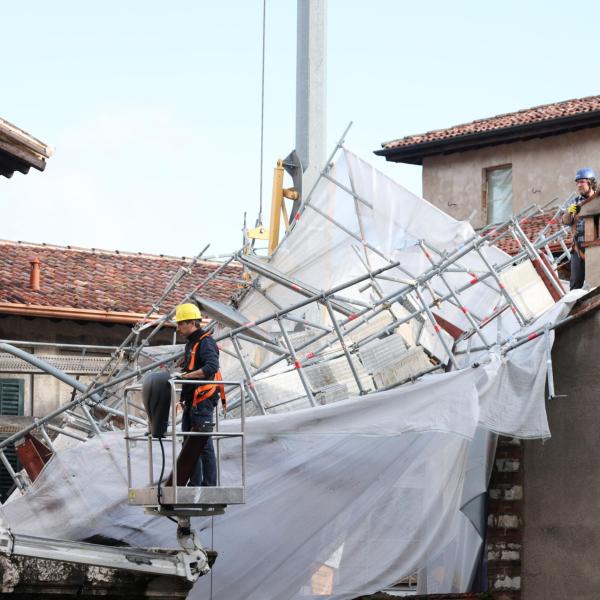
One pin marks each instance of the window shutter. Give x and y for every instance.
(11, 403)
(6, 481)
(11, 397)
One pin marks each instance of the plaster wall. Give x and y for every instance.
(561, 531)
(542, 169)
(44, 393)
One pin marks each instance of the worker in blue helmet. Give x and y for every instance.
(587, 189)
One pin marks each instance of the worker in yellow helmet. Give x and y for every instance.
(200, 362)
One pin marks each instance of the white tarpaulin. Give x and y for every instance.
(388, 470)
(348, 497)
(340, 235)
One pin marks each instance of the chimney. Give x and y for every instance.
(34, 276)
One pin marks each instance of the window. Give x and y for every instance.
(497, 193)
(11, 403)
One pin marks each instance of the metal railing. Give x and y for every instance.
(151, 492)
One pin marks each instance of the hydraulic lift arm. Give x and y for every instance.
(190, 563)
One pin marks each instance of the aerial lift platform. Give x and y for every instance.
(158, 495)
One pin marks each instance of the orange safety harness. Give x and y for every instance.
(202, 392)
(580, 251)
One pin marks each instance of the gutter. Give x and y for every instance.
(81, 314)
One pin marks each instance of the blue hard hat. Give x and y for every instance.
(585, 173)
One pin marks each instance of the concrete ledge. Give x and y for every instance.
(24, 577)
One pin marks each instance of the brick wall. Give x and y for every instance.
(504, 529)
(505, 521)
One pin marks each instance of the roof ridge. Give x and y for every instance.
(530, 109)
(102, 251)
(492, 118)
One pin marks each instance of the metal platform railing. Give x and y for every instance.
(175, 499)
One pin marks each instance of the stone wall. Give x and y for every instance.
(505, 521)
(24, 577)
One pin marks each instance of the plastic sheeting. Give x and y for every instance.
(342, 500)
(375, 481)
(338, 236)
(513, 391)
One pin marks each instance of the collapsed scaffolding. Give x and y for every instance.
(358, 342)
(295, 343)
(356, 345)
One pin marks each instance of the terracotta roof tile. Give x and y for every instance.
(528, 116)
(532, 227)
(91, 279)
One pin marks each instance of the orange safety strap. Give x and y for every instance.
(193, 356)
(194, 348)
(202, 392)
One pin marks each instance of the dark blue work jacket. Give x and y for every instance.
(201, 352)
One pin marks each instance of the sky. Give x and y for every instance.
(153, 108)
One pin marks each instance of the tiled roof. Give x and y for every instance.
(100, 280)
(528, 116)
(532, 227)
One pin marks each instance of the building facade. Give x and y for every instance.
(79, 307)
(542, 534)
(492, 168)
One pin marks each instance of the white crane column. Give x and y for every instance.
(311, 96)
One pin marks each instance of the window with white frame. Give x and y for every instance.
(497, 193)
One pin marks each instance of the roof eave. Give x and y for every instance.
(19, 150)
(414, 154)
(78, 314)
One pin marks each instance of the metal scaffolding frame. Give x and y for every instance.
(327, 361)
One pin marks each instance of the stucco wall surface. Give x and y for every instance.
(561, 533)
(542, 169)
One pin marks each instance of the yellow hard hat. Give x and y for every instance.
(187, 312)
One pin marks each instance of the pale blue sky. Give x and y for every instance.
(154, 107)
